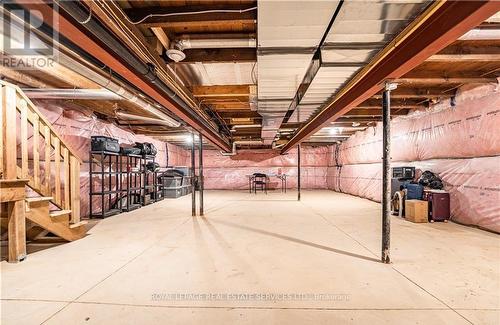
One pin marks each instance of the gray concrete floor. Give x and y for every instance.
(265, 259)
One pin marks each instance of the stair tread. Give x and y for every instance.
(59, 213)
(38, 199)
(78, 224)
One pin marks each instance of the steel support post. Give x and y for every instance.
(200, 174)
(386, 172)
(193, 178)
(298, 172)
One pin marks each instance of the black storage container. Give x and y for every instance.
(171, 181)
(403, 172)
(173, 192)
(102, 143)
(130, 151)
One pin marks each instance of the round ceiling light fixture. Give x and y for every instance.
(176, 55)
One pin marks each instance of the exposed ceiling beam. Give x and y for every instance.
(473, 47)
(359, 119)
(405, 92)
(224, 99)
(349, 124)
(239, 114)
(395, 103)
(440, 24)
(230, 106)
(464, 58)
(323, 142)
(375, 112)
(219, 55)
(221, 91)
(166, 16)
(72, 30)
(162, 36)
(443, 80)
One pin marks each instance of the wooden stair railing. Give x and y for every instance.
(51, 167)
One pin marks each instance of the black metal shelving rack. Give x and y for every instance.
(133, 182)
(150, 188)
(106, 191)
(158, 187)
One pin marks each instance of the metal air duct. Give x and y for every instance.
(91, 94)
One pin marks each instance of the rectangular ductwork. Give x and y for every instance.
(360, 30)
(289, 34)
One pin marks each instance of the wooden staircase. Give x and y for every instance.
(36, 154)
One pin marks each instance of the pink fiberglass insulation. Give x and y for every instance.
(76, 125)
(466, 130)
(229, 172)
(460, 143)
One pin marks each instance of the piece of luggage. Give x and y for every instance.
(414, 191)
(439, 205)
(429, 179)
(147, 148)
(403, 172)
(102, 143)
(130, 151)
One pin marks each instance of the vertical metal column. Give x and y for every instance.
(193, 172)
(200, 180)
(298, 172)
(386, 172)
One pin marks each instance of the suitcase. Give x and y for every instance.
(403, 172)
(102, 143)
(439, 205)
(414, 191)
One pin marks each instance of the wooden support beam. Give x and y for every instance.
(395, 103)
(408, 92)
(464, 58)
(240, 114)
(472, 47)
(230, 106)
(165, 16)
(17, 230)
(444, 80)
(155, 44)
(349, 124)
(162, 36)
(359, 119)
(219, 55)
(375, 112)
(221, 91)
(9, 133)
(75, 189)
(224, 99)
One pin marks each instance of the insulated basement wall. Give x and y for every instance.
(461, 143)
(76, 125)
(229, 172)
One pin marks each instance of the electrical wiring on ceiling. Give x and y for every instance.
(190, 13)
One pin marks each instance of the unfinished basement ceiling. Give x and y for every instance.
(359, 32)
(265, 91)
(289, 33)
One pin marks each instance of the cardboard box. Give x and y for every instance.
(417, 211)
